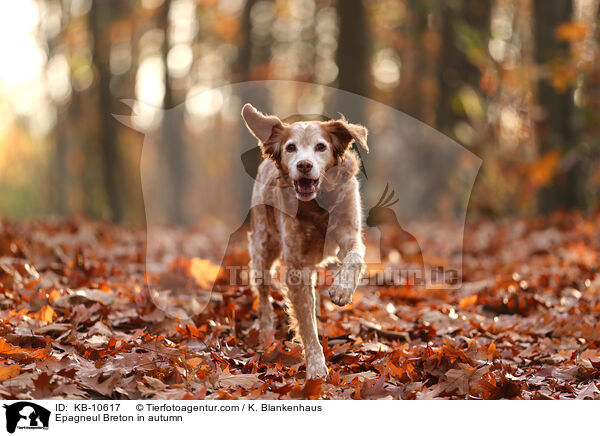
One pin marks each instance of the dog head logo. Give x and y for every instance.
(26, 415)
(198, 168)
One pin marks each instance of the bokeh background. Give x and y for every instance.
(516, 82)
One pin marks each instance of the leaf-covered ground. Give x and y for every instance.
(76, 322)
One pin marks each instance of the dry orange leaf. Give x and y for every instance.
(8, 372)
(204, 272)
(571, 31)
(492, 349)
(46, 314)
(468, 301)
(5, 347)
(394, 370)
(194, 361)
(8, 349)
(53, 295)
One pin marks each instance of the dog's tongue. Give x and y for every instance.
(305, 186)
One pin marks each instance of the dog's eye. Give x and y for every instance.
(291, 148)
(320, 147)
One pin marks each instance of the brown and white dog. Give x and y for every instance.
(306, 208)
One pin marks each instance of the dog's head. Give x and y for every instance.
(304, 151)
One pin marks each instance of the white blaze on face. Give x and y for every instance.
(306, 146)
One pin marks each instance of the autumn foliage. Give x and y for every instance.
(77, 322)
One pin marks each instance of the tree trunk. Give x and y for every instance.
(455, 69)
(353, 47)
(99, 21)
(555, 129)
(241, 69)
(58, 171)
(241, 73)
(171, 125)
(406, 95)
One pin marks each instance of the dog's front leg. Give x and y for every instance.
(302, 297)
(344, 230)
(345, 281)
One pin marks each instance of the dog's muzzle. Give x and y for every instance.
(306, 188)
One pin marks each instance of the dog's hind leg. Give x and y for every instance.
(264, 248)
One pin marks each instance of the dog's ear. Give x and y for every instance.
(264, 128)
(344, 133)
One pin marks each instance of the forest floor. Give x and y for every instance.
(76, 322)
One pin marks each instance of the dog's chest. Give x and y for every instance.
(312, 222)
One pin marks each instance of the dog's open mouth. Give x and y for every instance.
(306, 187)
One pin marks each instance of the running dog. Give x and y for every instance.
(306, 208)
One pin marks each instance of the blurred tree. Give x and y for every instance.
(466, 67)
(58, 171)
(241, 68)
(353, 47)
(415, 89)
(241, 72)
(171, 127)
(464, 29)
(406, 39)
(100, 17)
(555, 125)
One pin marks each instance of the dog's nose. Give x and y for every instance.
(304, 166)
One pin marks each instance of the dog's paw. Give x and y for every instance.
(340, 294)
(316, 369)
(346, 280)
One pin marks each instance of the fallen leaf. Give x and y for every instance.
(8, 372)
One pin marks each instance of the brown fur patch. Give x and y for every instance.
(342, 134)
(272, 147)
